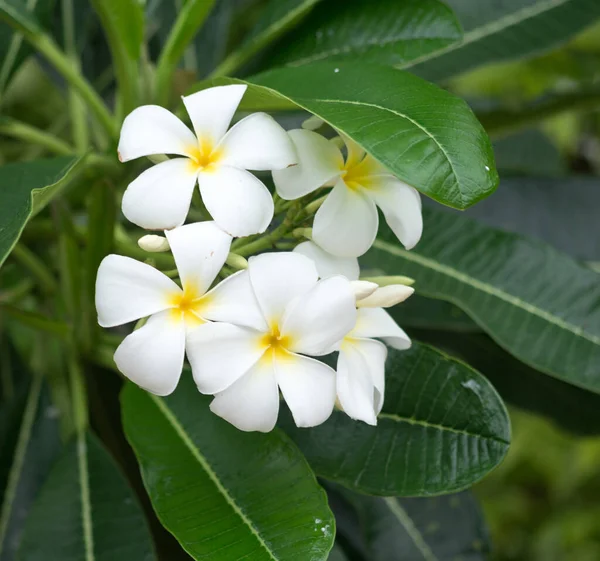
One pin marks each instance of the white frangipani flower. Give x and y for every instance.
(282, 312)
(213, 157)
(127, 290)
(360, 382)
(346, 224)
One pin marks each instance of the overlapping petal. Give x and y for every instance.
(319, 162)
(316, 320)
(376, 322)
(221, 353)
(346, 224)
(233, 301)
(258, 142)
(401, 206)
(308, 387)
(200, 251)
(152, 129)
(160, 197)
(152, 356)
(127, 290)
(238, 202)
(278, 278)
(375, 354)
(251, 403)
(211, 110)
(327, 264)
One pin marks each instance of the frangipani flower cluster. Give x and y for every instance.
(259, 332)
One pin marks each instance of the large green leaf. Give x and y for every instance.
(424, 135)
(25, 188)
(86, 511)
(445, 528)
(570, 407)
(540, 305)
(225, 494)
(13, 50)
(497, 30)
(387, 31)
(29, 444)
(442, 428)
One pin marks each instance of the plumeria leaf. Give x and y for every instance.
(509, 29)
(246, 493)
(387, 32)
(86, 510)
(421, 133)
(13, 50)
(540, 305)
(25, 188)
(442, 428)
(30, 442)
(572, 408)
(424, 529)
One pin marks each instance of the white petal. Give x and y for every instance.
(200, 251)
(151, 129)
(355, 388)
(346, 224)
(258, 142)
(251, 403)
(375, 354)
(127, 290)
(233, 301)
(220, 353)
(238, 202)
(319, 162)
(277, 278)
(327, 264)
(386, 296)
(160, 197)
(211, 110)
(401, 206)
(355, 152)
(308, 387)
(319, 318)
(152, 356)
(376, 322)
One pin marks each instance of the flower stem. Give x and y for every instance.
(37, 321)
(36, 267)
(33, 135)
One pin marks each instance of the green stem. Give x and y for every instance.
(265, 242)
(78, 393)
(33, 135)
(37, 321)
(63, 64)
(502, 122)
(36, 267)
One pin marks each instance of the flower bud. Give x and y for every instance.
(313, 123)
(386, 296)
(153, 243)
(363, 289)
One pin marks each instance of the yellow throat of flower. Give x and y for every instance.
(274, 343)
(189, 304)
(204, 156)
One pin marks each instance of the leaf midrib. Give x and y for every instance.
(180, 431)
(394, 505)
(488, 289)
(84, 495)
(490, 28)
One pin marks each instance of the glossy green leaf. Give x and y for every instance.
(25, 188)
(29, 444)
(225, 494)
(442, 428)
(13, 50)
(432, 529)
(387, 32)
(496, 30)
(423, 134)
(540, 305)
(86, 511)
(570, 407)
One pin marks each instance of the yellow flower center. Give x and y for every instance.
(204, 156)
(275, 342)
(189, 304)
(356, 174)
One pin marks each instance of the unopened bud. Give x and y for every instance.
(158, 158)
(387, 280)
(153, 243)
(236, 261)
(303, 233)
(363, 289)
(313, 123)
(337, 141)
(386, 296)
